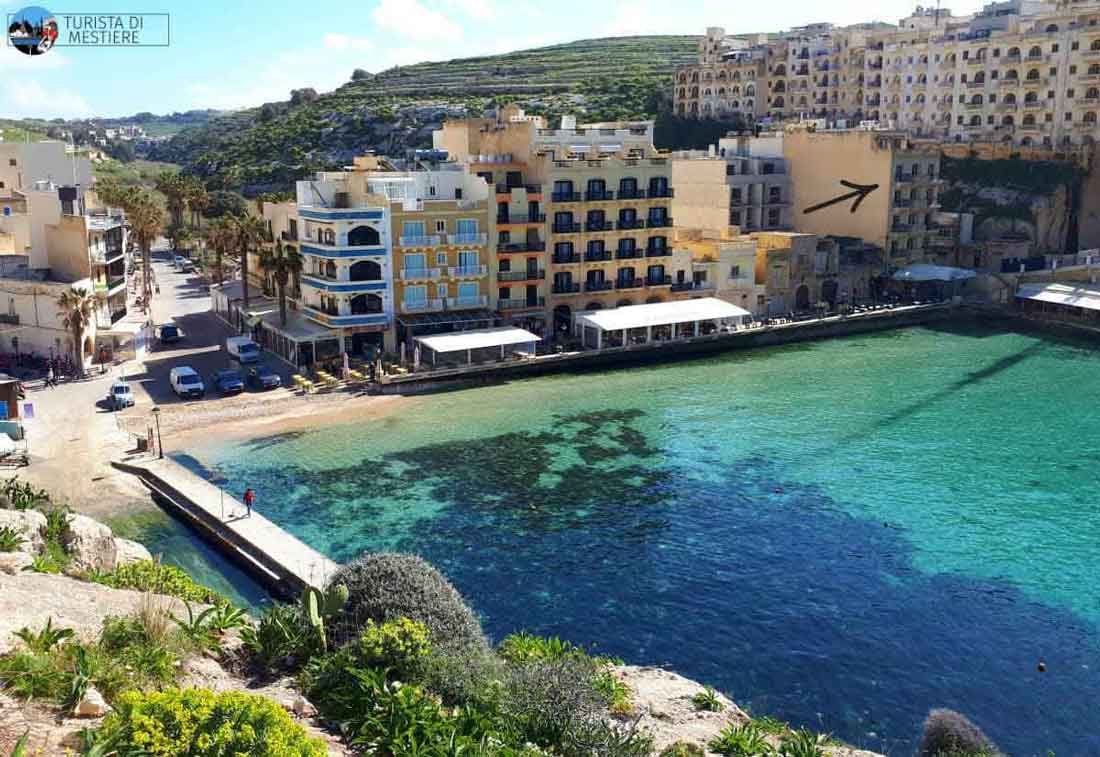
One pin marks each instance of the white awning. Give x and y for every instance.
(928, 272)
(1061, 294)
(661, 314)
(476, 339)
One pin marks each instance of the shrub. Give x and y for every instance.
(281, 638)
(525, 647)
(802, 743)
(683, 749)
(741, 741)
(544, 701)
(707, 700)
(385, 586)
(399, 646)
(615, 693)
(460, 676)
(198, 721)
(22, 496)
(40, 642)
(947, 732)
(149, 575)
(11, 539)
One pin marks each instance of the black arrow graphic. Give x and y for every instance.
(859, 192)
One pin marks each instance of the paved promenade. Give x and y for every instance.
(272, 555)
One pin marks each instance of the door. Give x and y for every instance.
(532, 267)
(532, 296)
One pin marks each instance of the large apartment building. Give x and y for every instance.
(1022, 72)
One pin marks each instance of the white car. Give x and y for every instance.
(186, 382)
(120, 396)
(178, 261)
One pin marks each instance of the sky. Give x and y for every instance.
(226, 54)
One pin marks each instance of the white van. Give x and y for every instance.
(242, 349)
(186, 382)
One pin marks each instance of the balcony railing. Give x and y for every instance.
(507, 188)
(658, 223)
(529, 218)
(666, 192)
(629, 254)
(467, 271)
(430, 240)
(598, 286)
(598, 196)
(476, 238)
(11, 319)
(567, 259)
(521, 247)
(418, 274)
(629, 225)
(505, 276)
(567, 288)
(630, 283)
(566, 228)
(521, 303)
(632, 194)
(657, 281)
(657, 252)
(566, 197)
(597, 257)
(477, 301)
(288, 236)
(691, 286)
(422, 306)
(599, 226)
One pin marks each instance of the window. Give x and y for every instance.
(467, 291)
(467, 259)
(441, 258)
(11, 161)
(412, 228)
(416, 295)
(467, 226)
(416, 262)
(441, 290)
(1069, 116)
(440, 227)
(735, 271)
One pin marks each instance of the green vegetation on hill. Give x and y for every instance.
(267, 148)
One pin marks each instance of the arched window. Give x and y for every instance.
(1013, 52)
(1090, 117)
(1092, 94)
(721, 91)
(1029, 120)
(364, 236)
(979, 78)
(1035, 52)
(1095, 45)
(1011, 75)
(683, 78)
(366, 303)
(366, 270)
(777, 102)
(1094, 69)
(975, 120)
(722, 76)
(750, 91)
(780, 86)
(976, 100)
(694, 91)
(330, 269)
(1051, 28)
(1008, 120)
(780, 70)
(330, 236)
(1033, 74)
(1010, 99)
(1031, 97)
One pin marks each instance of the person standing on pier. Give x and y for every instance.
(249, 498)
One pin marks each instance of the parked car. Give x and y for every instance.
(170, 334)
(262, 377)
(228, 382)
(177, 261)
(242, 349)
(186, 266)
(186, 382)
(120, 395)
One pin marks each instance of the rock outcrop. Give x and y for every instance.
(30, 523)
(93, 546)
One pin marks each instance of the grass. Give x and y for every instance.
(707, 700)
(11, 539)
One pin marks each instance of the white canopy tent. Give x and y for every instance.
(1061, 294)
(664, 316)
(478, 339)
(928, 272)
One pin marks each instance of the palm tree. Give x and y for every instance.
(249, 232)
(195, 195)
(146, 219)
(282, 262)
(220, 236)
(76, 309)
(172, 186)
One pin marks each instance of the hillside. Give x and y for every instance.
(267, 148)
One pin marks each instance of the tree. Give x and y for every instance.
(360, 74)
(249, 232)
(282, 263)
(225, 203)
(195, 196)
(220, 236)
(76, 309)
(302, 96)
(171, 185)
(146, 219)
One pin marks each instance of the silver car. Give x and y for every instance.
(120, 396)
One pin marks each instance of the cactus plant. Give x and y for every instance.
(318, 606)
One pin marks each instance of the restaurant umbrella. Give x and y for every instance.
(347, 367)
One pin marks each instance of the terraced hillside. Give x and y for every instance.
(267, 148)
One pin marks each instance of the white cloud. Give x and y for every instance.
(412, 20)
(29, 98)
(334, 41)
(479, 9)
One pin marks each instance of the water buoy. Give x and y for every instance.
(1042, 666)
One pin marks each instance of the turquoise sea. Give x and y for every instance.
(842, 534)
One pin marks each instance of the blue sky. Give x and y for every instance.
(235, 54)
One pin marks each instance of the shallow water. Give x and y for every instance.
(844, 534)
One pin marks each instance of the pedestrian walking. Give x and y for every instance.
(49, 378)
(249, 498)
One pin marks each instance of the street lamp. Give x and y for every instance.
(160, 444)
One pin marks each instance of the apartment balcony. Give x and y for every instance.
(479, 239)
(1087, 101)
(900, 228)
(598, 196)
(658, 193)
(658, 223)
(598, 286)
(658, 252)
(566, 228)
(460, 303)
(566, 259)
(9, 319)
(1008, 82)
(467, 271)
(567, 288)
(974, 106)
(1007, 107)
(1090, 54)
(333, 284)
(511, 247)
(420, 274)
(1034, 105)
(629, 254)
(521, 220)
(637, 223)
(599, 226)
(521, 303)
(658, 281)
(902, 203)
(1041, 81)
(946, 84)
(637, 194)
(976, 62)
(513, 276)
(111, 285)
(598, 257)
(692, 286)
(422, 306)
(431, 240)
(334, 319)
(506, 189)
(565, 197)
(975, 85)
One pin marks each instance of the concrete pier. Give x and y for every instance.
(281, 562)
